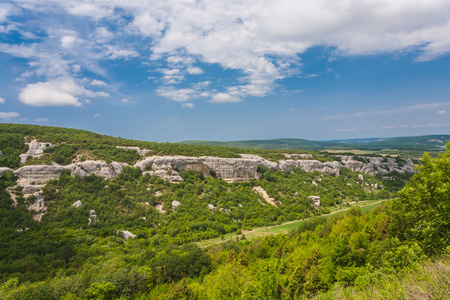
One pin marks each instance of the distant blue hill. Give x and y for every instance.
(419, 143)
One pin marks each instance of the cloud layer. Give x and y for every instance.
(261, 40)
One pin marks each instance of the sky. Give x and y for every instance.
(177, 70)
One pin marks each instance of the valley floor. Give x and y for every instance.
(288, 226)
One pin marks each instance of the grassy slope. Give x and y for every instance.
(288, 226)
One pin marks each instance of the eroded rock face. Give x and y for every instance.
(235, 169)
(377, 165)
(97, 167)
(170, 175)
(35, 148)
(39, 174)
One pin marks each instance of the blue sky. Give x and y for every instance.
(175, 70)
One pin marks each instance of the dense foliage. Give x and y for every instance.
(72, 255)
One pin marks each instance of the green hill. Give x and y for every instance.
(411, 144)
(67, 239)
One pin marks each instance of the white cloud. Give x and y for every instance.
(224, 98)
(6, 10)
(96, 82)
(262, 38)
(8, 115)
(102, 94)
(2, 100)
(96, 116)
(188, 104)
(125, 100)
(441, 112)
(68, 41)
(194, 71)
(102, 35)
(114, 52)
(177, 95)
(41, 120)
(52, 93)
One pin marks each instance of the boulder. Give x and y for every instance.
(315, 200)
(1, 153)
(211, 207)
(77, 203)
(361, 177)
(4, 170)
(175, 204)
(92, 214)
(126, 234)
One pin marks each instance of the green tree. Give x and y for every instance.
(422, 212)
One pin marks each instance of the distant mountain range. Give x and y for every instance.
(421, 143)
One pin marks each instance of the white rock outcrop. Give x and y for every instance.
(234, 169)
(36, 149)
(126, 234)
(170, 175)
(37, 174)
(377, 165)
(77, 203)
(4, 170)
(175, 204)
(97, 167)
(315, 200)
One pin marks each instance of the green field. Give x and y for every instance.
(286, 227)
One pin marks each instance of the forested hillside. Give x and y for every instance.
(134, 236)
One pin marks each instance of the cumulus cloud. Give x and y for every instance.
(96, 82)
(2, 100)
(194, 71)
(224, 98)
(102, 94)
(62, 92)
(262, 39)
(8, 115)
(188, 104)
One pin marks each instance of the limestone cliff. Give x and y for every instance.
(97, 167)
(377, 165)
(235, 169)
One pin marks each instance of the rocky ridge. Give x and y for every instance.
(32, 178)
(377, 165)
